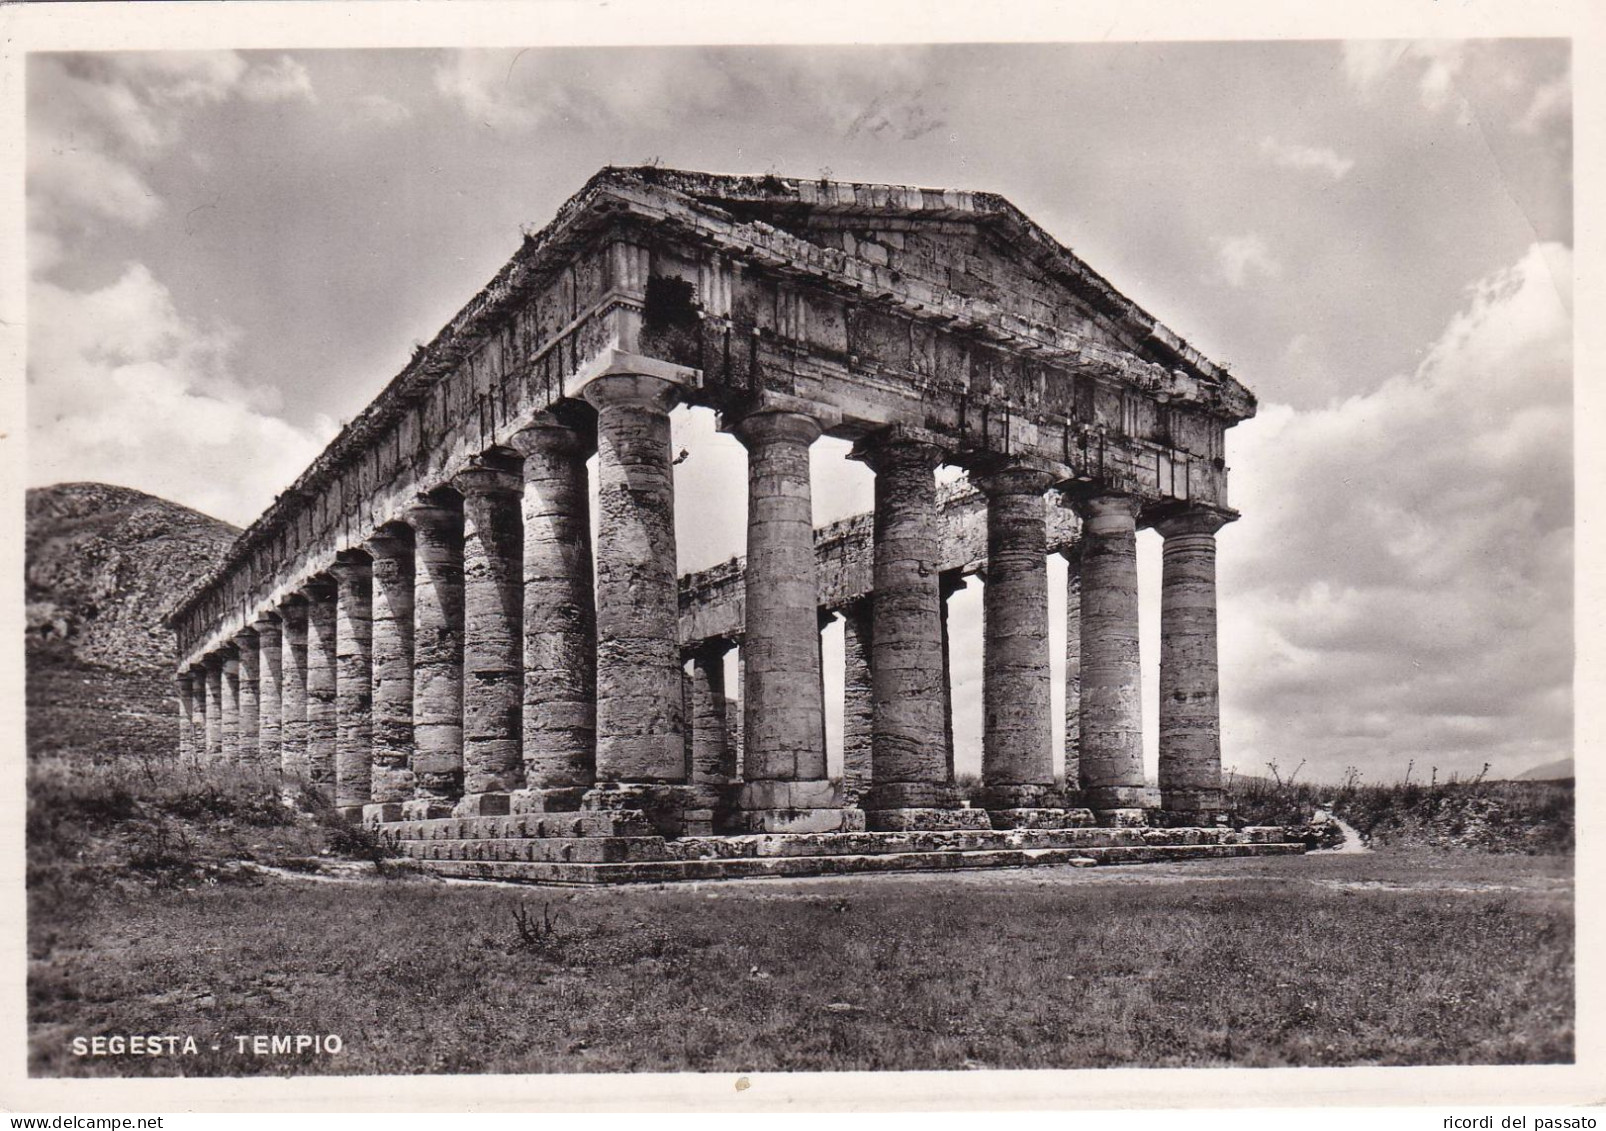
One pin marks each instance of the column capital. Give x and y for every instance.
(899, 446)
(266, 622)
(767, 425)
(352, 567)
(489, 476)
(318, 587)
(551, 435)
(392, 540)
(434, 511)
(246, 637)
(631, 390)
(1191, 519)
(1012, 479)
(1097, 505)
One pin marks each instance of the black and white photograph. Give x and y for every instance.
(561, 556)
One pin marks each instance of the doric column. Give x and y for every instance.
(186, 715)
(197, 674)
(1017, 727)
(250, 713)
(270, 690)
(493, 646)
(908, 740)
(353, 683)
(391, 657)
(560, 619)
(785, 785)
(214, 706)
(322, 725)
(293, 689)
(1112, 720)
(230, 722)
(1073, 674)
(639, 727)
(437, 523)
(948, 583)
(857, 699)
(713, 760)
(1190, 703)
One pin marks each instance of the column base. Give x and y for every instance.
(382, 812)
(496, 804)
(1125, 818)
(1041, 818)
(923, 819)
(1024, 795)
(837, 820)
(557, 799)
(1121, 797)
(674, 809)
(1193, 800)
(426, 808)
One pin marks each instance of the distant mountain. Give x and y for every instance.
(1559, 770)
(102, 562)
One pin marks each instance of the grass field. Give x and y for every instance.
(1321, 960)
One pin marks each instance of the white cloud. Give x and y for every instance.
(1304, 157)
(1240, 258)
(282, 80)
(123, 389)
(1400, 583)
(1552, 101)
(1437, 63)
(97, 121)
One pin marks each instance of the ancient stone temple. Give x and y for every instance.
(422, 628)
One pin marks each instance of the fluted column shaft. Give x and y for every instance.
(1017, 726)
(639, 725)
(250, 711)
(858, 699)
(493, 645)
(1190, 703)
(230, 722)
(293, 715)
(783, 724)
(322, 728)
(186, 715)
(1073, 673)
(1112, 720)
(391, 658)
(437, 653)
(713, 760)
(908, 731)
(353, 684)
(214, 707)
(948, 584)
(560, 617)
(270, 691)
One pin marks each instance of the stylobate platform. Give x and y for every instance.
(623, 847)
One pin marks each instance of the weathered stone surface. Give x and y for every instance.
(783, 725)
(249, 714)
(214, 707)
(1190, 704)
(560, 632)
(391, 656)
(858, 697)
(1017, 736)
(322, 727)
(186, 715)
(293, 692)
(639, 726)
(1112, 719)
(908, 729)
(713, 760)
(437, 648)
(354, 684)
(270, 690)
(1073, 673)
(1040, 818)
(229, 725)
(493, 635)
(916, 819)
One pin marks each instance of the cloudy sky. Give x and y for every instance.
(231, 253)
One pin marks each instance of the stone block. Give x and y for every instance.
(382, 813)
(1123, 818)
(921, 819)
(482, 805)
(800, 820)
(425, 809)
(768, 795)
(1038, 818)
(565, 799)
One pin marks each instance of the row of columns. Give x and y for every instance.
(468, 659)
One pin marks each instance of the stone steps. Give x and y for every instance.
(588, 823)
(717, 868)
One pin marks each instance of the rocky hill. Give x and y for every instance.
(102, 564)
